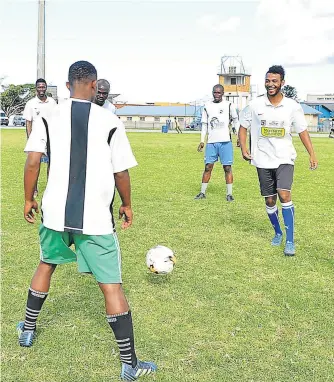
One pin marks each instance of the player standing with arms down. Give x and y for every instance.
(216, 118)
(270, 118)
(39, 106)
(89, 156)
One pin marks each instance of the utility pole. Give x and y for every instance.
(41, 40)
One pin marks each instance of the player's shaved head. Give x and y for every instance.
(103, 88)
(218, 92)
(102, 83)
(82, 77)
(218, 86)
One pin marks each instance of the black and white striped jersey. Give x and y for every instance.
(86, 145)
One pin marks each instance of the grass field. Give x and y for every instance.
(234, 309)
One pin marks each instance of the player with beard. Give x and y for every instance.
(102, 93)
(270, 119)
(216, 117)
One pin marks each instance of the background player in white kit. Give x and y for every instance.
(216, 118)
(102, 93)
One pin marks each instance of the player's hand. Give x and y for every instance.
(200, 147)
(127, 214)
(313, 162)
(246, 155)
(29, 208)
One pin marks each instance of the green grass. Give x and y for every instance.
(234, 309)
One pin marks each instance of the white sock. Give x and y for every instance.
(204, 187)
(229, 189)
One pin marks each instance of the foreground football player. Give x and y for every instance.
(270, 118)
(89, 156)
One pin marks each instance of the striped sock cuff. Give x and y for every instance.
(271, 210)
(287, 205)
(36, 293)
(113, 317)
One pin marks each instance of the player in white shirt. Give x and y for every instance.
(89, 156)
(39, 106)
(101, 98)
(216, 117)
(270, 119)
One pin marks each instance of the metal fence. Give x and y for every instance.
(142, 125)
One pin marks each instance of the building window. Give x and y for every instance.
(232, 69)
(156, 119)
(180, 119)
(142, 118)
(233, 81)
(129, 118)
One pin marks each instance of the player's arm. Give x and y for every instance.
(204, 129)
(122, 159)
(301, 128)
(28, 128)
(245, 124)
(35, 148)
(123, 185)
(235, 118)
(305, 138)
(27, 115)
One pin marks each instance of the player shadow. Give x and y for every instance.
(158, 279)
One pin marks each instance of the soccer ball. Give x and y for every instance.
(160, 260)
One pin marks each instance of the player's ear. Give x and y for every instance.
(68, 85)
(283, 82)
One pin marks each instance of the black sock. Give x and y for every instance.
(34, 305)
(121, 324)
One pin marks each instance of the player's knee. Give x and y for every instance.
(285, 196)
(270, 201)
(47, 267)
(208, 167)
(227, 169)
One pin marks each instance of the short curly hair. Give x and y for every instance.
(81, 71)
(277, 69)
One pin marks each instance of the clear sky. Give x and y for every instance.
(171, 50)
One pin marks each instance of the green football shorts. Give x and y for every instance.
(96, 254)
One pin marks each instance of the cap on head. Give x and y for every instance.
(81, 71)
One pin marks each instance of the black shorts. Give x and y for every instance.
(271, 180)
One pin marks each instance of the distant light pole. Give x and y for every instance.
(41, 40)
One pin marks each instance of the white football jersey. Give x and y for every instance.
(270, 130)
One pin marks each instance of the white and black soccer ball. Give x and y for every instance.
(160, 260)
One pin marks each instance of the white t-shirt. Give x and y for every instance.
(109, 106)
(216, 120)
(87, 145)
(270, 130)
(36, 108)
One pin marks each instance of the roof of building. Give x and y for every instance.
(328, 106)
(159, 111)
(309, 110)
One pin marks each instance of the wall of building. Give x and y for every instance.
(234, 88)
(321, 98)
(325, 112)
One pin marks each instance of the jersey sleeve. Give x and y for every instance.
(122, 157)
(37, 141)
(27, 113)
(298, 119)
(246, 117)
